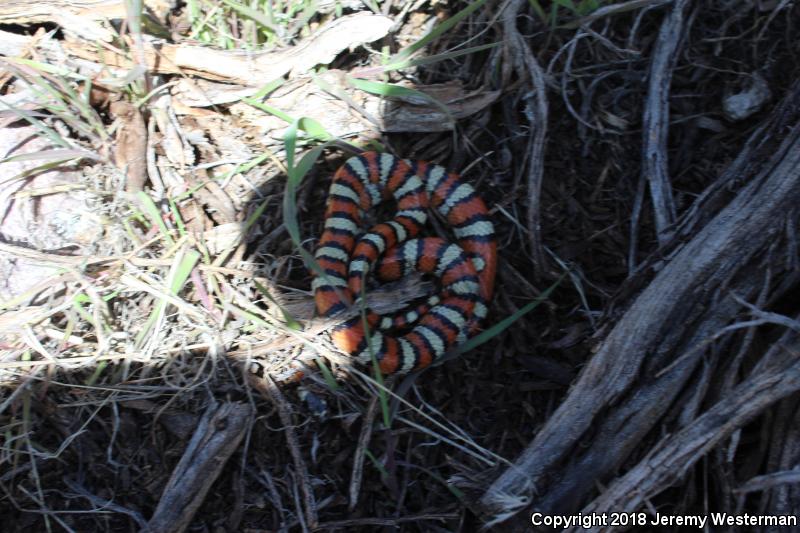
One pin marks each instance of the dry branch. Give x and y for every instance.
(780, 498)
(655, 347)
(331, 99)
(218, 435)
(225, 77)
(673, 364)
(655, 121)
(528, 68)
(84, 18)
(614, 9)
(251, 69)
(672, 458)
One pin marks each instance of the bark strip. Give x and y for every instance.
(647, 358)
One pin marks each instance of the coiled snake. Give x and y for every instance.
(346, 255)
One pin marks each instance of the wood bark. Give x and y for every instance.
(84, 18)
(647, 359)
(248, 69)
(218, 435)
(670, 459)
(655, 120)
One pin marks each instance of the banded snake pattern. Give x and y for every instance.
(392, 249)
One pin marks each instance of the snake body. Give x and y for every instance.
(347, 254)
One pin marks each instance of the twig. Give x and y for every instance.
(388, 522)
(527, 67)
(266, 386)
(102, 504)
(361, 451)
(218, 435)
(768, 481)
(614, 9)
(655, 122)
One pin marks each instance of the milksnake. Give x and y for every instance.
(346, 254)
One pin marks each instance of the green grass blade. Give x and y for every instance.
(327, 375)
(246, 167)
(376, 369)
(588, 6)
(184, 270)
(291, 322)
(504, 324)
(373, 5)
(253, 218)
(568, 4)
(154, 214)
(398, 91)
(401, 63)
(252, 317)
(294, 179)
(290, 218)
(537, 8)
(269, 109)
(389, 90)
(50, 156)
(439, 30)
(77, 303)
(176, 214)
(377, 464)
(252, 14)
(40, 126)
(35, 170)
(47, 67)
(313, 128)
(181, 274)
(383, 398)
(268, 88)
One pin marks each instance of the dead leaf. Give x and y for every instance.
(131, 145)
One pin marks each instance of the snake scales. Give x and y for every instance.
(412, 339)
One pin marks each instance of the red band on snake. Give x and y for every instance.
(347, 254)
